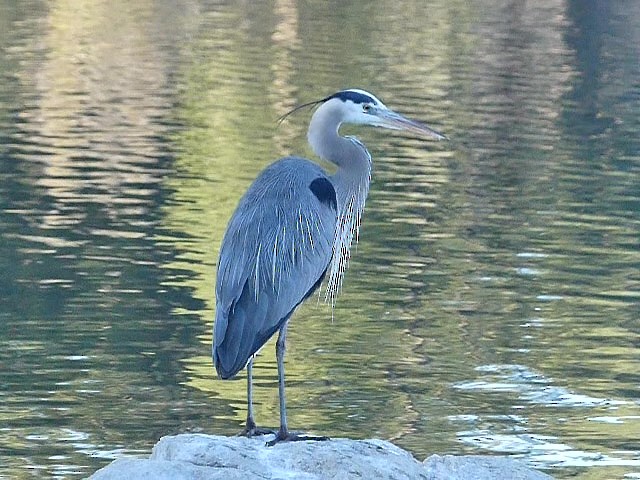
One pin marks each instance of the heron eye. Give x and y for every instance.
(366, 108)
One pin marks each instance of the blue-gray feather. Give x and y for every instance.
(274, 253)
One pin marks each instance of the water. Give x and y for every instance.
(492, 305)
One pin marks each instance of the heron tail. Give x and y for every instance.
(228, 353)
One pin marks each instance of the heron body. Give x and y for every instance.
(275, 253)
(293, 228)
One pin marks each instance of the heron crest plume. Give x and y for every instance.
(355, 95)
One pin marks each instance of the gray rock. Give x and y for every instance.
(196, 457)
(147, 469)
(479, 467)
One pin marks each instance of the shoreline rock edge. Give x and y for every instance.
(211, 457)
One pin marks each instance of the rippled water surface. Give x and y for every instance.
(493, 302)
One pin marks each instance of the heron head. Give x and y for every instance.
(362, 108)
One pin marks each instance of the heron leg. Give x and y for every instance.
(251, 429)
(283, 434)
(281, 347)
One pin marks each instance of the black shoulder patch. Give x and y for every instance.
(324, 192)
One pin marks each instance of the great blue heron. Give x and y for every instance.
(293, 226)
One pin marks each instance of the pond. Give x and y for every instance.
(492, 304)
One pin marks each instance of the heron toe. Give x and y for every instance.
(254, 431)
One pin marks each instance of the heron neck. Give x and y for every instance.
(348, 154)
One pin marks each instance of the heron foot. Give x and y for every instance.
(294, 437)
(252, 430)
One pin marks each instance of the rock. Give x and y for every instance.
(479, 467)
(197, 456)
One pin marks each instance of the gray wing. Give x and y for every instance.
(275, 252)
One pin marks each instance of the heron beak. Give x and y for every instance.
(395, 121)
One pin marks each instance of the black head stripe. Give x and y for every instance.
(355, 97)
